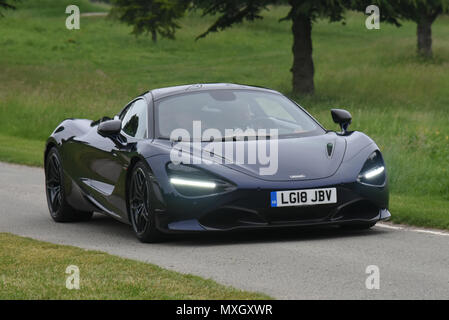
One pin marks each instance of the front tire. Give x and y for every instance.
(139, 205)
(58, 206)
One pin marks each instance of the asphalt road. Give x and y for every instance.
(294, 264)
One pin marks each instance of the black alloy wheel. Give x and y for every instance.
(140, 209)
(59, 209)
(53, 183)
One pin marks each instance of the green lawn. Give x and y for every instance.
(31, 269)
(420, 211)
(48, 73)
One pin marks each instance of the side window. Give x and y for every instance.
(135, 120)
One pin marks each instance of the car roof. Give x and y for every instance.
(169, 91)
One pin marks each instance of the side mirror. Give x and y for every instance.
(110, 127)
(343, 118)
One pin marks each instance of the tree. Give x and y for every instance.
(424, 13)
(150, 16)
(161, 16)
(5, 4)
(302, 13)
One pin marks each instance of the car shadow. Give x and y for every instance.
(289, 234)
(117, 229)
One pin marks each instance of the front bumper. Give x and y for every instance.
(250, 209)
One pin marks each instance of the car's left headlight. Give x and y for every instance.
(194, 182)
(373, 171)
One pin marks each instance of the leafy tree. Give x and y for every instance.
(303, 13)
(161, 15)
(6, 4)
(424, 13)
(150, 16)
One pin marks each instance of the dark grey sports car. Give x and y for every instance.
(215, 157)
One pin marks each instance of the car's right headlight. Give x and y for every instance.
(373, 171)
(194, 182)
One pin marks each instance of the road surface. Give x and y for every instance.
(296, 264)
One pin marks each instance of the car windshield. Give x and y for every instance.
(232, 110)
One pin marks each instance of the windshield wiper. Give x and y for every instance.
(243, 138)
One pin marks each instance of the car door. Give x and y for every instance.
(110, 156)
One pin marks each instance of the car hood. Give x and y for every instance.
(305, 158)
(301, 158)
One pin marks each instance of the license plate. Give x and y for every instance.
(303, 197)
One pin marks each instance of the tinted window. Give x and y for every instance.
(135, 121)
(234, 109)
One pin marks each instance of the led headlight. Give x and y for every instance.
(373, 171)
(194, 182)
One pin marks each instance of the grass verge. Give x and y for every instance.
(31, 269)
(21, 151)
(420, 211)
